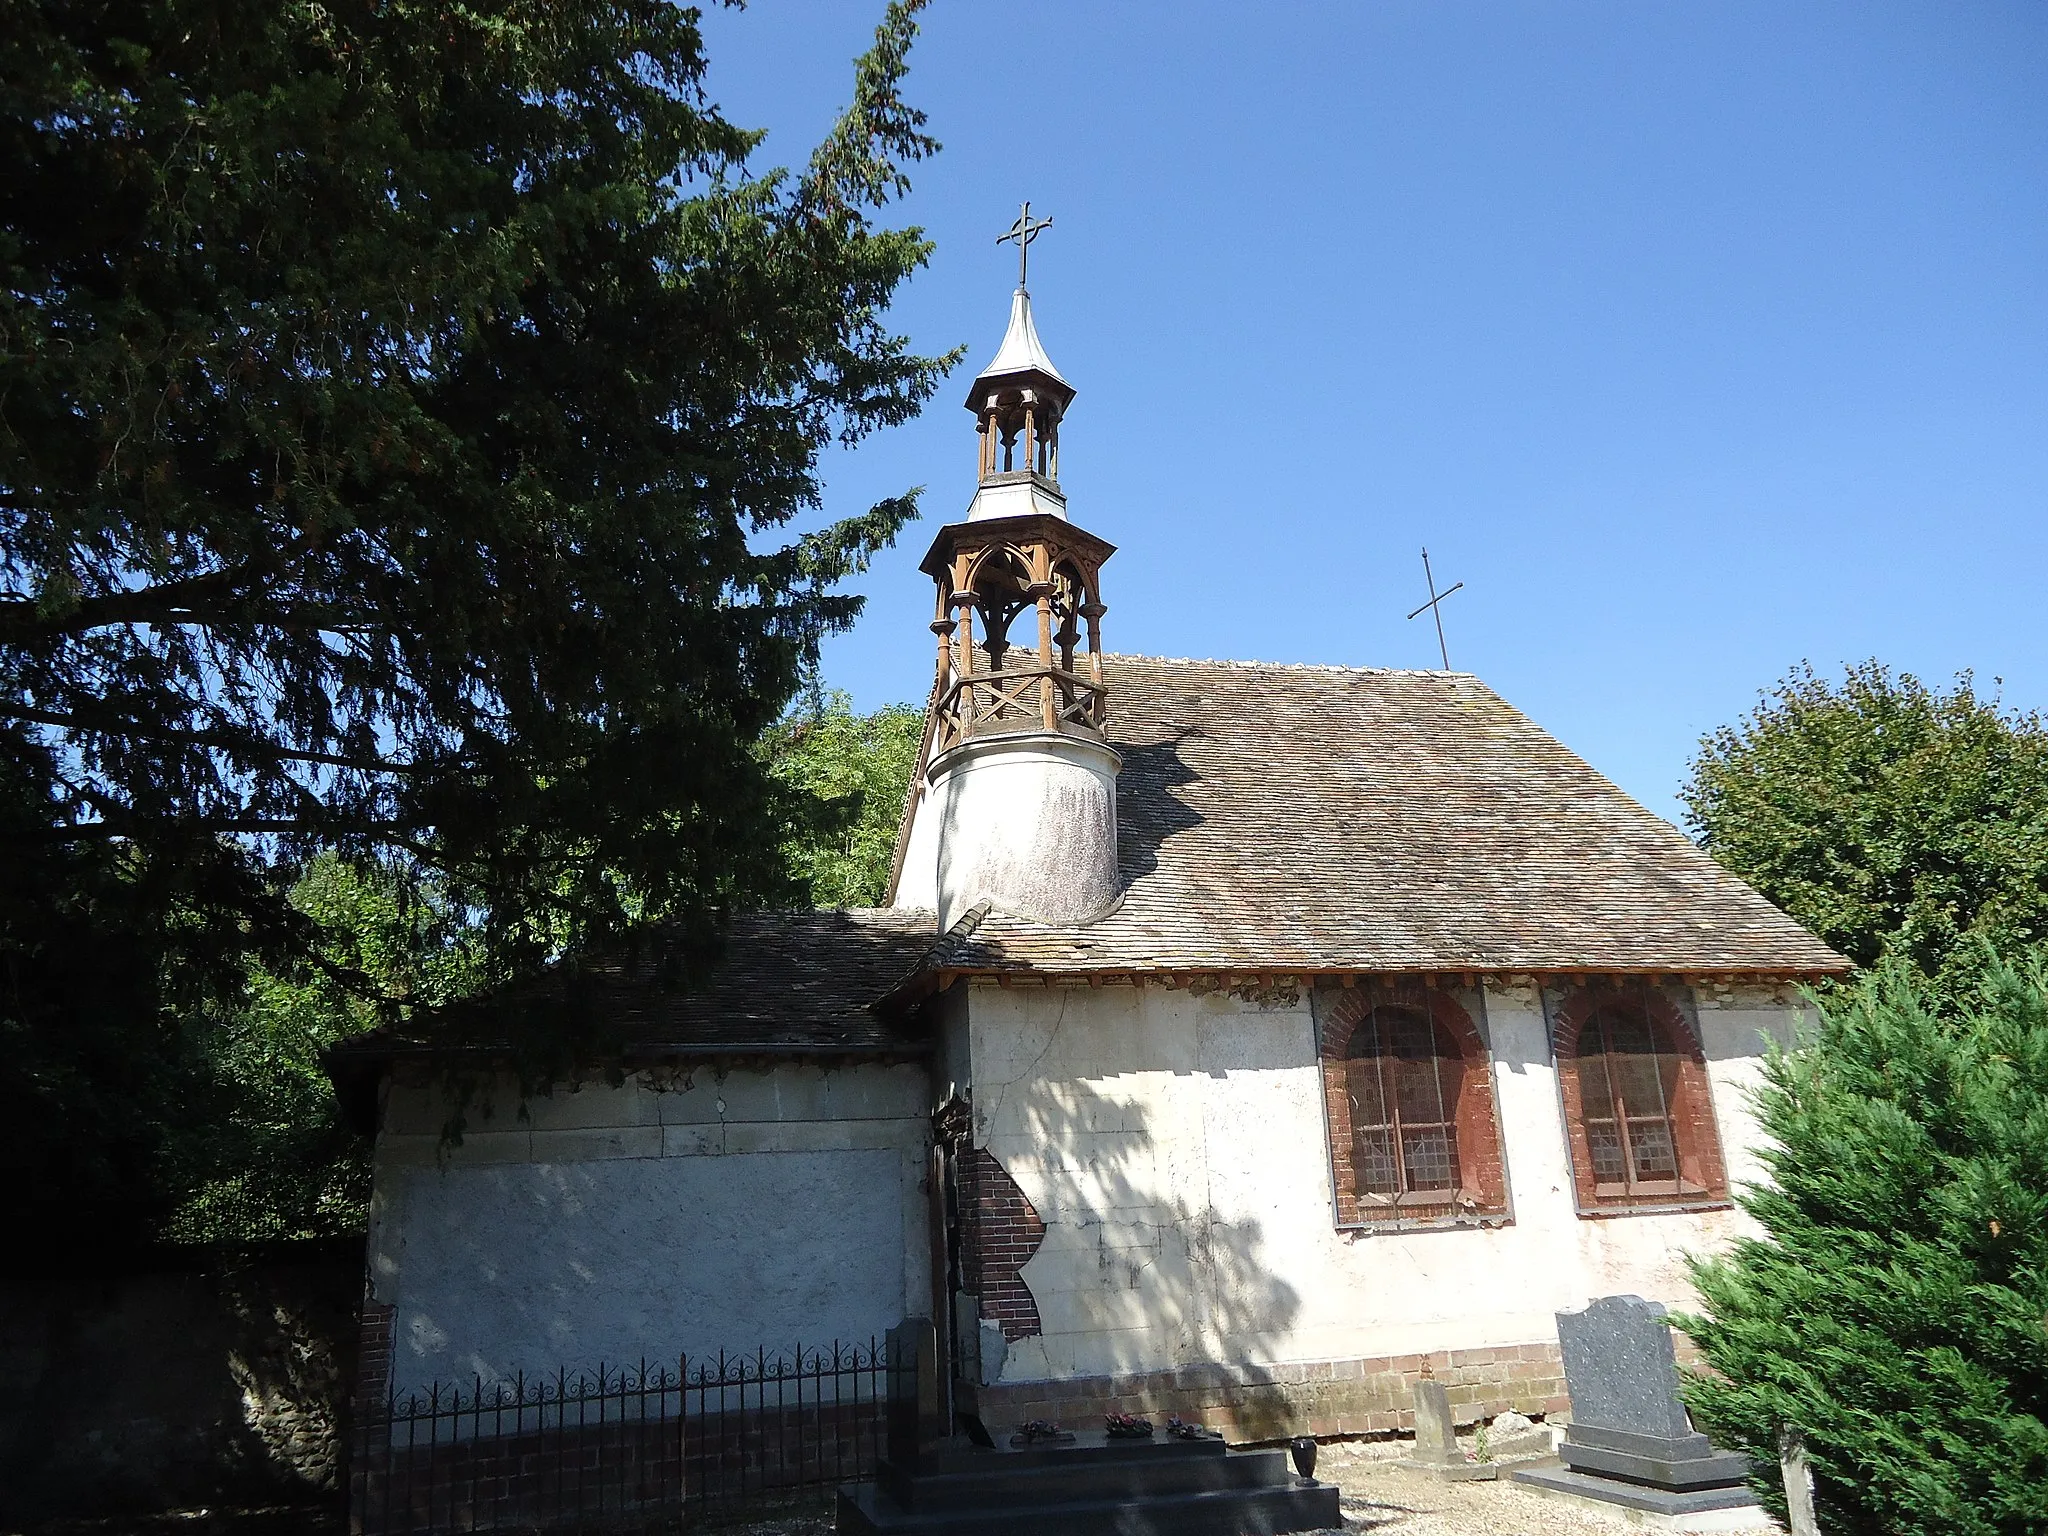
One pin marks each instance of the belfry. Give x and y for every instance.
(1019, 793)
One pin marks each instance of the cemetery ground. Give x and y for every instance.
(1379, 1496)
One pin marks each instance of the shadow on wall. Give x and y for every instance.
(1142, 1267)
(534, 1268)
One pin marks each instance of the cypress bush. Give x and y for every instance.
(1895, 1313)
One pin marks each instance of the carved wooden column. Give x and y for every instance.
(963, 599)
(1041, 590)
(1092, 611)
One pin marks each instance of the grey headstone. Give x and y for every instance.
(1620, 1368)
(913, 1412)
(1436, 1437)
(1630, 1442)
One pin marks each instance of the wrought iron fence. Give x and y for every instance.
(647, 1446)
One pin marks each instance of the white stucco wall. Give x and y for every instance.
(917, 882)
(691, 1212)
(1026, 822)
(1175, 1146)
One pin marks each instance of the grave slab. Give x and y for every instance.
(1630, 1443)
(1094, 1487)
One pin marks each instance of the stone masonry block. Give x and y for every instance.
(595, 1145)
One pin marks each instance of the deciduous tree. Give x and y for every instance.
(851, 773)
(1892, 818)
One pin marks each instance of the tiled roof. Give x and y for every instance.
(1323, 818)
(789, 979)
(783, 981)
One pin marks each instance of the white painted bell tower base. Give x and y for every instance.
(1025, 821)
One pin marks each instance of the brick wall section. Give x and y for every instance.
(373, 1359)
(632, 1474)
(1330, 1397)
(1000, 1233)
(1692, 1115)
(1478, 1127)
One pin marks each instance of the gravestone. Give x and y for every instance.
(1630, 1442)
(1798, 1474)
(1511, 1437)
(1436, 1439)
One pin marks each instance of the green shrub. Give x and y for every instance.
(1896, 1312)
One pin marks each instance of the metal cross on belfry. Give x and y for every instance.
(1431, 607)
(1024, 231)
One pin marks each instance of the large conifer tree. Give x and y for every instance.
(1895, 1314)
(398, 400)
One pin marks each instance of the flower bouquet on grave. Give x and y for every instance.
(1126, 1426)
(1186, 1429)
(1040, 1432)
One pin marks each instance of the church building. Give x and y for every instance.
(1239, 1040)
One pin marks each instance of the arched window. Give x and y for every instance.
(1413, 1134)
(1403, 1072)
(1637, 1100)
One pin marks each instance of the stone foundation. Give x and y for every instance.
(1324, 1398)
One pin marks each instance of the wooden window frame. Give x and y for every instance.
(1702, 1181)
(1481, 1197)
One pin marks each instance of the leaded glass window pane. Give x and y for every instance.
(1404, 1077)
(1628, 1083)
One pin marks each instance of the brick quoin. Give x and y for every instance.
(1692, 1113)
(1478, 1125)
(1002, 1232)
(373, 1357)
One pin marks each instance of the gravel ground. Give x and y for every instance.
(1380, 1495)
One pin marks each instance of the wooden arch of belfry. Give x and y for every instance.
(991, 681)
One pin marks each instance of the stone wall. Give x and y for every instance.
(686, 1212)
(1326, 1398)
(172, 1380)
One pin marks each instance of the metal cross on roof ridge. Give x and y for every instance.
(1024, 231)
(1431, 607)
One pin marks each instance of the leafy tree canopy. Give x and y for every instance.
(272, 1156)
(1891, 818)
(852, 771)
(1897, 1314)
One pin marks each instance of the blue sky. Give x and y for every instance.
(1696, 339)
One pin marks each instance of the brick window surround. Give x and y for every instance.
(1607, 1186)
(1482, 1184)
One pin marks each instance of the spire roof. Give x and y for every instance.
(1022, 351)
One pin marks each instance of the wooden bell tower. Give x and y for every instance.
(1017, 806)
(990, 573)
